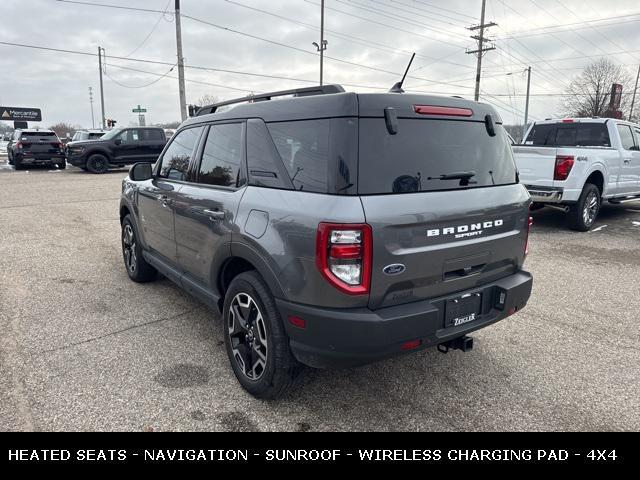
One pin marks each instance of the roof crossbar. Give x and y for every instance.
(296, 92)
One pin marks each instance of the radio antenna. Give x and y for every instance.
(397, 88)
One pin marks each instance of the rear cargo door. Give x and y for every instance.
(433, 235)
(40, 144)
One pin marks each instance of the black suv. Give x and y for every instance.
(334, 229)
(119, 147)
(35, 147)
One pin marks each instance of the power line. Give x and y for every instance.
(394, 17)
(138, 86)
(153, 29)
(445, 9)
(348, 37)
(256, 37)
(194, 67)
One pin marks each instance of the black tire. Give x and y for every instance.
(137, 267)
(17, 164)
(583, 214)
(9, 158)
(97, 163)
(281, 371)
(62, 165)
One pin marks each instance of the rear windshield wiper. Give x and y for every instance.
(464, 177)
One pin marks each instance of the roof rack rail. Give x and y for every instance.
(296, 92)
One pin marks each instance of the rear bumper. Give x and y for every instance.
(334, 338)
(545, 194)
(38, 158)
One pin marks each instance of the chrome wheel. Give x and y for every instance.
(248, 335)
(591, 206)
(129, 248)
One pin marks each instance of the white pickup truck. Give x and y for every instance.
(577, 163)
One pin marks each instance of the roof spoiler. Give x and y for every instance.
(195, 111)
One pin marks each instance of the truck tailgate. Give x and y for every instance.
(535, 164)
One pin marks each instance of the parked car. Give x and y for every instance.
(577, 163)
(35, 147)
(117, 148)
(334, 229)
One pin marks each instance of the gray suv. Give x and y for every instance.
(334, 229)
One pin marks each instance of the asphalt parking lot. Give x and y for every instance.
(84, 348)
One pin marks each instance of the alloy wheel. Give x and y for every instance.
(590, 209)
(129, 247)
(248, 334)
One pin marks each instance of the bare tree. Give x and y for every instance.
(207, 100)
(589, 94)
(62, 129)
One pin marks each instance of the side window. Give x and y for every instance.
(153, 135)
(637, 137)
(541, 135)
(222, 156)
(265, 165)
(304, 149)
(175, 161)
(626, 136)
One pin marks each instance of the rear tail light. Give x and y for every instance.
(564, 165)
(446, 111)
(19, 145)
(526, 245)
(343, 256)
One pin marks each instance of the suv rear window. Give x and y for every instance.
(569, 135)
(32, 135)
(319, 155)
(423, 149)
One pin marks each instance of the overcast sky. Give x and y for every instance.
(556, 37)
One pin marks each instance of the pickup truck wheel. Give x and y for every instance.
(62, 165)
(255, 339)
(583, 214)
(97, 163)
(137, 267)
(17, 164)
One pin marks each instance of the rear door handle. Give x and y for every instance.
(215, 214)
(627, 161)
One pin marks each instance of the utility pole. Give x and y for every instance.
(183, 94)
(93, 121)
(526, 108)
(635, 90)
(481, 46)
(323, 43)
(100, 52)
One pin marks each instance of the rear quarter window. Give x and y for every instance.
(423, 150)
(318, 155)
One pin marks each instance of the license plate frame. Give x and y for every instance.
(462, 310)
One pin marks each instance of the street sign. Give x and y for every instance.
(139, 110)
(21, 114)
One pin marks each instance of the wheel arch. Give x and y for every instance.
(597, 178)
(243, 259)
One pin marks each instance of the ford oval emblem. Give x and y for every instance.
(395, 269)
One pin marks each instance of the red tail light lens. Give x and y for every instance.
(446, 111)
(526, 246)
(19, 145)
(564, 165)
(343, 256)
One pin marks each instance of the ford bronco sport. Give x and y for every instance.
(334, 229)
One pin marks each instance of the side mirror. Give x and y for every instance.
(140, 172)
(118, 141)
